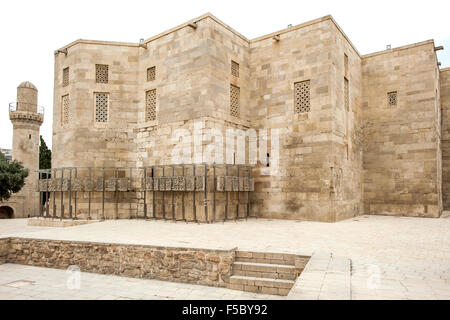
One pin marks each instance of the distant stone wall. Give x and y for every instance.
(445, 136)
(188, 265)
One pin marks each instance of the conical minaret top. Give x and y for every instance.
(27, 97)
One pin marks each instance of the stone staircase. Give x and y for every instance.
(261, 272)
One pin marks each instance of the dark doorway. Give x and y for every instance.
(6, 212)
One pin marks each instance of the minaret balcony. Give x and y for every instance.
(26, 116)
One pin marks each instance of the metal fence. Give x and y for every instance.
(193, 185)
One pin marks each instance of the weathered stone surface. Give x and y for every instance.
(65, 186)
(228, 183)
(110, 184)
(123, 184)
(148, 183)
(445, 135)
(199, 183)
(77, 184)
(89, 184)
(189, 265)
(99, 184)
(178, 183)
(190, 183)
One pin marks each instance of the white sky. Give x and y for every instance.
(31, 31)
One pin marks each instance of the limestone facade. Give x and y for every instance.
(445, 134)
(356, 133)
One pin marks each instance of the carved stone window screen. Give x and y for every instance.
(150, 104)
(392, 98)
(151, 73)
(235, 69)
(101, 107)
(65, 81)
(345, 65)
(235, 102)
(101, 73)
(65, 109)
(302, 96)
(346, 94)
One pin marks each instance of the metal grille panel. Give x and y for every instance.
(101, 73)
(235, 69)
(65, 109)
(392, 98)
(235, 93)
(302, 96)
(65, 77)
(150, 102)
(151, 73)
(101, 107)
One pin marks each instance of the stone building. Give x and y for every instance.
(26, 118)
(356, 134)
(7, 153)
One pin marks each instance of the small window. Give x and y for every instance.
(346, 95)
(302, 96)
(65, 77)
(101, 107)
(150, 103)
(235, 93)
(392, 98)
(151, 73)
(101, 73)
(29, 136)
(235, 69)
(65, 109)
(268, 160)
(345, 65)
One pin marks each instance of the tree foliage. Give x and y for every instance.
(45, 155)
(12, 177)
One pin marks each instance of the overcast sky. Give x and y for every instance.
(32, 30)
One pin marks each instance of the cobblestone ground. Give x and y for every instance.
(391, 257)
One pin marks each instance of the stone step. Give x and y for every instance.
(265, 257)
(265, 270)
(261, 285)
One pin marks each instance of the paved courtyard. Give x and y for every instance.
(391, 257)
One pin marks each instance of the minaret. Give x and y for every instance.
(27, 119)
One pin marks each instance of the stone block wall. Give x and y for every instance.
(338, 160)
(188, 265)
(81, 141)
(346, 163)
(401, 157)
(4, 250)
(445, 104)
(300, 188)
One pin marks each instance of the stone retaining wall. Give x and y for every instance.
(4, 249)
(188, 265)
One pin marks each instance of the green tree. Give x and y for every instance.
(12, 177)
(45, 155)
